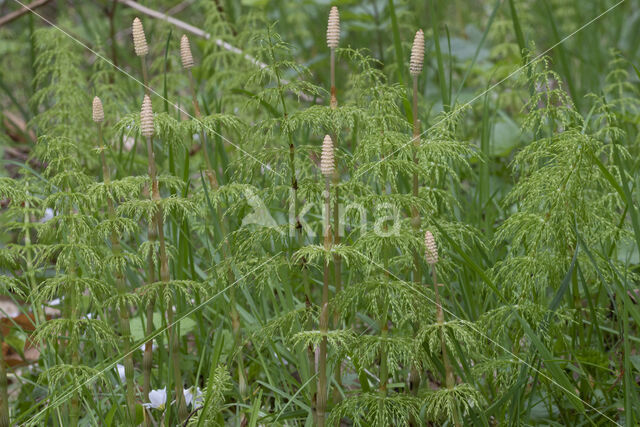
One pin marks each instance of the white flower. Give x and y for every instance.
(129, 143)
(157, 399)
(154, 346)
(189, 398)
(48, 214)
(265, 168)
(120, 369)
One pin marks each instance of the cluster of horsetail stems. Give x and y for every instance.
(331, 234)
(421, 298)
(147, 131)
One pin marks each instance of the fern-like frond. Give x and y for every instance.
(443, 403)
(377, 409)
(169, 291)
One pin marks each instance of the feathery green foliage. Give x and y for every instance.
(200, 266)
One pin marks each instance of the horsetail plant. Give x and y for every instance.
(431, 255)
(123, 299)
(142, 49)
(567, 207)
(147, 131)
(22, 257)
(333, 39)
(328, 169)
(275, 94)
(186, 58)
(415, 69)
(67, 241)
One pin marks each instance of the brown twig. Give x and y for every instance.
(23, 10)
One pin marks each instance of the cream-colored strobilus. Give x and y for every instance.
(186, 57)
(147, 131)
(141, 49)
(333, 38)
(431, 256)
(125, 328)
(327, 167)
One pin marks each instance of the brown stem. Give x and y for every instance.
(164, 267)
(147, 359)
(334, 100)
(337, 261)
(449, 378)
(211, 175)
(414, 380)
(125, 328)
(337, 268)
(145, 77)
(322, 395)
(152, 235)
(415, 217)
(194, 97)
(384, 363)
(165, 277)
(74, 414)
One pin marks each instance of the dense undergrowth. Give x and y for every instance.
(420, 213)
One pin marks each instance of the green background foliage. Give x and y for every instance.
(525, 172)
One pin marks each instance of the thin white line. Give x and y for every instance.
(147, 87)
(498, 344)
(361, 171)
(60, 400)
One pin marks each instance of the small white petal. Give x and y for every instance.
(189, 397)
(120, 369)
(157, 399)
(48, 214)
(129, 142)
(154, 346)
